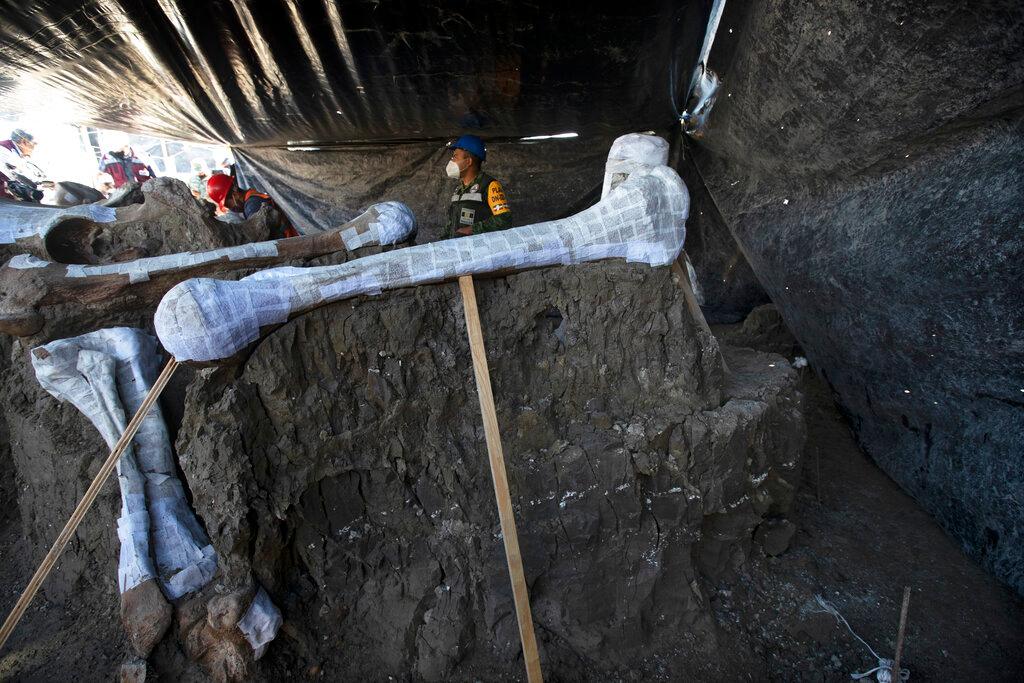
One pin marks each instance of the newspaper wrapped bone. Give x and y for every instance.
(106, 375)
(628, 154)
(642, 219)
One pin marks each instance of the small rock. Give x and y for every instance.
(132, 671)
(146, 616)
(775, 535)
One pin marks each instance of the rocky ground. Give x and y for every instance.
(882, 214)
(851, 536)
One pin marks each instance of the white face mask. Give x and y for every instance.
(452, 169)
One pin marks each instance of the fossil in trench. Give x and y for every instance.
(30, 288)
(641, 218)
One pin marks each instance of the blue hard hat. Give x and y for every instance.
(471, 144)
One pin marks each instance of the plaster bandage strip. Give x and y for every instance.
(134, 564)
(642, 219)
(184, 563)
(24, 261)
(86, 379)
(260, 622)
(19, 220)
(160, 535)
(384, 223)
(141, 269)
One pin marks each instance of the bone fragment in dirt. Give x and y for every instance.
(163, 547)
(231, 633)
(29, 287)
(641, 219)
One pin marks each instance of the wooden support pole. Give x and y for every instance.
(83, 506)
(683, 275)
(899, 635)
(498, 475)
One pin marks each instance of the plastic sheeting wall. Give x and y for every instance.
(280, 72)
(321, 189)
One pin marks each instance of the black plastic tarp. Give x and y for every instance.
(543, 180)
(280, 72)
(333, 105)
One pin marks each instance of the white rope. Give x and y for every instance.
(882, 672)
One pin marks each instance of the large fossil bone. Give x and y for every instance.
(106, 374)
(24, 228)
(169, 220)
(642, 219)
(30, 287)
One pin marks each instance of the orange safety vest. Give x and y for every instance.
(286, 227)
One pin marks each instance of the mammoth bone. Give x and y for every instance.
(167, 220)
(642, 218)
(29, 286)
(28, 227)
(164, 551)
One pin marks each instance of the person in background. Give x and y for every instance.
(222, 190)
(21, 143)
(479, 203)
(121, 162)
(19, 177)
(197, 183)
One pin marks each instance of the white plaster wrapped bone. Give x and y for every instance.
(642, 219)
(630, 153)
(381, 224)
(22, 221)
(85, 378)
(29, 286)
(107, 374)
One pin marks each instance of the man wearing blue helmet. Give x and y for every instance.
(479, 204)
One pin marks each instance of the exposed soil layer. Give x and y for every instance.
(859, 540)
(273, 490)
(875, 184)
(362, 500)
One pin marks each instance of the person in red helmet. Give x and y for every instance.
(228, 196)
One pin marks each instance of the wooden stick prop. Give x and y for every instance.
(83, 506)
(899, 635)
(681, 272)
(498, 475)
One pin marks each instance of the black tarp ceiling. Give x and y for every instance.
(331, 106)
(297, 72)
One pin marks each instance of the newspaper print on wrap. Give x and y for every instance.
(106, 375)
(642, 219)
(261, 622)
(384, 223)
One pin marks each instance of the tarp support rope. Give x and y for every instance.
(883, 672)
